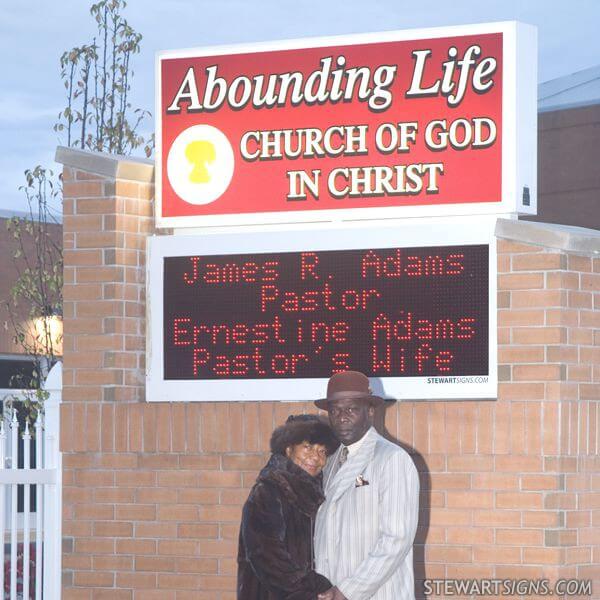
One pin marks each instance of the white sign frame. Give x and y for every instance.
(519, 128)
(427, 232)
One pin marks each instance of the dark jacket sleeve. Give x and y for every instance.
(263, 533)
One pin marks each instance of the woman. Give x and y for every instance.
(275, 558)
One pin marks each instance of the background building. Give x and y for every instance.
(568, 150)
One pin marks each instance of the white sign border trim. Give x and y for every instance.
(516, 110)
(434, 233)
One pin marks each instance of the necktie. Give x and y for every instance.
(343, 456)
(341, 459)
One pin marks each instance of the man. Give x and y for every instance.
(366, 526)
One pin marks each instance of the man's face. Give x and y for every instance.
(350, 418)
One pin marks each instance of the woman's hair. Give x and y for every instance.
(303, 428)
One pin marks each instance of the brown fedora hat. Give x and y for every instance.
(348, 384)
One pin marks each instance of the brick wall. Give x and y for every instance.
(153, 492)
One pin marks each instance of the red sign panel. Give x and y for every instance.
(257, 136)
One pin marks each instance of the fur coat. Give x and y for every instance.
(275, 557)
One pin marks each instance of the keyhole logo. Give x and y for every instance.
(200, 164)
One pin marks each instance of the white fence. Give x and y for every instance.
(31, 530)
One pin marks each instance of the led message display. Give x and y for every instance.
(416, 312)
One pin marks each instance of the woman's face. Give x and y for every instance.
(310, 457)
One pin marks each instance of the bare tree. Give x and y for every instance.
(97, 78)
(35, 304)
(98, 117)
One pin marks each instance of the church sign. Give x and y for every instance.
(395, 124)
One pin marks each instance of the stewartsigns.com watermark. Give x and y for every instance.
(459, 379)
(507, 587)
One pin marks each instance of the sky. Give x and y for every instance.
(34, 34)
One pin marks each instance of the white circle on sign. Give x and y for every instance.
(200, 164)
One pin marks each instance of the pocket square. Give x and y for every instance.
(360, 481)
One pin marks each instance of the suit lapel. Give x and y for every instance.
(330, 467)
(352, 468)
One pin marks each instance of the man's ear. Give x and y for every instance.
(288, 451)
(371, 412)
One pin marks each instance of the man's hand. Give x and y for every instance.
(332, 594)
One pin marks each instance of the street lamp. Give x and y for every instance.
(48, 329)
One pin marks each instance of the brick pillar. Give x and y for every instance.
(107, 215)
(550, 330)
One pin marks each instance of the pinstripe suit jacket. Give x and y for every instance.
(364, 534)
